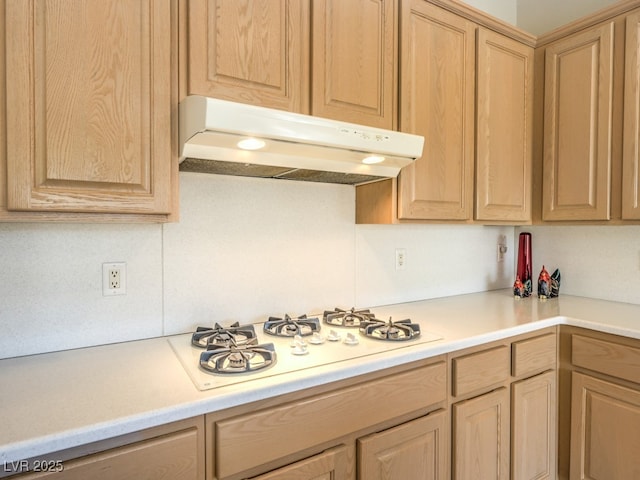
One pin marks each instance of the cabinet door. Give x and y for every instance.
(533, 428)
(605, 430)
(481, 437)
(89, 101)
(631, 142)
(416, 450)
(329, 465)
(250, 51)
(577, 126)
(504, 128)
(437, 96)
(354, 61)
(173, 456)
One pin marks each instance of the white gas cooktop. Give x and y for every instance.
(287, 361)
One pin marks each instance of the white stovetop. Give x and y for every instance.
(326, 353)
(59, 400)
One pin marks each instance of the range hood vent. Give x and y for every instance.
(292, 146)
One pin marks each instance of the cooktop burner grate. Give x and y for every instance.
(347, 318)
(219, 335)
(238, 358)
(401, 330)
(290, 327)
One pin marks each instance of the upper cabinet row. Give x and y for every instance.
(88, 125)
(591, 162)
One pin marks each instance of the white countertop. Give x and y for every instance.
(60, 400)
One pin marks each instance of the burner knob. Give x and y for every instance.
(316, 339)
(298, 341)
(333, 336)
(300, 349)
(351, 339)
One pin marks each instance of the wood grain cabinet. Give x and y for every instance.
(481, 437)
(504, 408)
(169, 452)
(391, 418)
(264, 52)
(504, 129)
(354, 61)
(251, 51)
(578, 102)
(605, 430)
(601, 405)
(331, 464)
(631, 139)
(469, 92)
(437, 97)
(533, 428)
(413, 451)
(90, 92)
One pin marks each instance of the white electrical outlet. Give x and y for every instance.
(401, 258)
(114, 279)
(502, 248)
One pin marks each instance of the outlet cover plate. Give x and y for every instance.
(114, 279)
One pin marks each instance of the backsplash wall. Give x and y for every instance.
(248, 248)
(243, 249)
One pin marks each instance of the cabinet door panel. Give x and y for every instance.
(605, 430)
(416, 450)
(437, 95)
(504, 128)
(631, 145)
(577, 130)
(250, 51)
(329, 465)
(354, 46)
(481, 437)
(533, 439)
(89, 95)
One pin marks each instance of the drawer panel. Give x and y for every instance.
(606, 357)
(533, 355)
(480, 370)
(274, 433)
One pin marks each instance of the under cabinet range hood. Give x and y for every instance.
(218, 136)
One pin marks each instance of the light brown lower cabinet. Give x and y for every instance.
(605, 430)
(329, 465)
(533, 428)
(481, 437)
(169, 452)
(416, 450)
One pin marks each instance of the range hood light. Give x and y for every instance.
(373, 159)
(251, 144)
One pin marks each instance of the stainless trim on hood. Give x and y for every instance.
(296, 146)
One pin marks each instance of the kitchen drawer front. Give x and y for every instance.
(276, 432)
(622, 361)
(534, 355)
(481, 370)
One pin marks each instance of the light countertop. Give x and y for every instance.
(56, 401)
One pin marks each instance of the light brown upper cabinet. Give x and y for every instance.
(269, 53)
(354, 61)
(90, 96)
(437, 96)
(631, 142)
(578, 100)
(250, 51)
(504, 128)
(477, 145)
